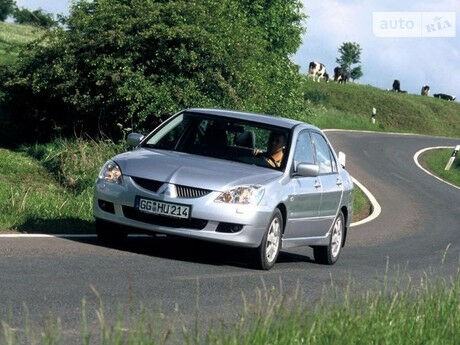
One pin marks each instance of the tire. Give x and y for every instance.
(328, 255)
(268, 251)
(110, 233)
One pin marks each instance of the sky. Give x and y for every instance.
(415, 62)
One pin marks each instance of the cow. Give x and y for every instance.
(317, 70)
(397, 86)
(444, 96)
(425, 90)
(341, 75)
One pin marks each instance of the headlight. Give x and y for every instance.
(111, 172)
(242, 195)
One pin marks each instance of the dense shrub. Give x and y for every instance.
(129, 63)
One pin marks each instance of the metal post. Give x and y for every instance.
(452, 157)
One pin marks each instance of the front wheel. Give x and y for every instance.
(328, 255)
(268, 251)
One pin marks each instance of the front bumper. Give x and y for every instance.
(254, 219)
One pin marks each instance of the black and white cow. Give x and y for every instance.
(341, 75)
(444, 96)
(425, 90)
(317, 70)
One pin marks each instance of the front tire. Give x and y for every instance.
(110, 233)
(269, 249)
(328, 255)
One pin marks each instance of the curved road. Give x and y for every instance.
(420, 218)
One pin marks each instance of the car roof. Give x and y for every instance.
(261, 118)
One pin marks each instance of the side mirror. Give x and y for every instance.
(307, 170)
(342, 158)
(134, 139)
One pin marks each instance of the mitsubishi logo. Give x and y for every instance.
(168, 189)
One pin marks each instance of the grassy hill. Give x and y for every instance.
(13, 37)
(349, 106)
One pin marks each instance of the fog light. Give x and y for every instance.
(229, 227)
(106, 206)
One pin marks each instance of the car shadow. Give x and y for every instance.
(37, 225)
(166, 247)
(191, 250)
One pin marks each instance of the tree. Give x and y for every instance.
(6, 8)
(356, 73)
(130, 63)
(349, 55)
(36, 17)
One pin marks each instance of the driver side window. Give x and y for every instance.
(303, 149)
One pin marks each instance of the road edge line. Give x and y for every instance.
(376, 209)
(419, 152)
(60, 235)
(379, 132)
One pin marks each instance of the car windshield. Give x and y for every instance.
(225, 138)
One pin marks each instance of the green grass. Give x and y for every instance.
(361, 205)
(349, 107)
(48, 188)
(436, 160)
(13, 37)
(400, 312)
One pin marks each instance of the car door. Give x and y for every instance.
(331, 182)
(304, 204)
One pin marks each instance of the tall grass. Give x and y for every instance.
(397, 313)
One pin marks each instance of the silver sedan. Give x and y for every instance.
(236, 178)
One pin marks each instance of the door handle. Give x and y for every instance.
(317, 184)
(339, 182)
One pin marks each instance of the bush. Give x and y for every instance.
(129, 63)
(36, 17)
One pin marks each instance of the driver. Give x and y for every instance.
(275, 149)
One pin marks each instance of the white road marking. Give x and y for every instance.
(376, 209)
(60, 235)
(418, 153)
(377, 132)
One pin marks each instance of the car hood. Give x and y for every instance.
(191, 170)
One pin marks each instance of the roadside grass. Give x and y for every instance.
(398, 312)
(435, 161)
(48, 188)
(32, 201)
(362, 207)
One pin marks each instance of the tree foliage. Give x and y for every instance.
(129, 63)
(349, 55)
(6, 8)
(35, 17)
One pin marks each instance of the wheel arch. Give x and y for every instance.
(283, 211)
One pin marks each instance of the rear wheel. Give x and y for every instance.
(268, 251)
(328, 255)
(110, 232)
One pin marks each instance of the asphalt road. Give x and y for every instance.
(420, 218)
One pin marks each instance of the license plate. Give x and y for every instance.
(163, 208)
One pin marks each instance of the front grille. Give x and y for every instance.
(191, 192)
(191, 223)
(151, 185)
